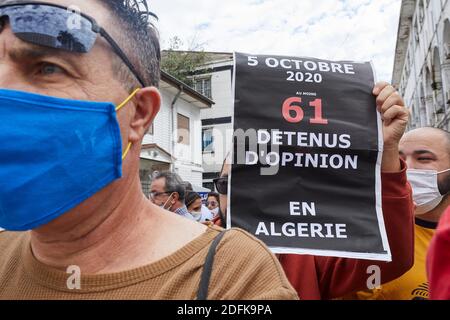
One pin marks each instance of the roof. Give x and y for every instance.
(154, 152)
(404, 31)
(187, 93)
(154, 145)
(210, 56)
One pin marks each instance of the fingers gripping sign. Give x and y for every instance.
(394, 114)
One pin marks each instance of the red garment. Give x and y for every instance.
(438, 261)
(317, 278)
(217, 221)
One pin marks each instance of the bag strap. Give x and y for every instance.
(205, 278)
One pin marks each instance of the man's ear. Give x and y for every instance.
(176, 197)
(148, 103)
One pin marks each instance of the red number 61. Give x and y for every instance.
(289, 107)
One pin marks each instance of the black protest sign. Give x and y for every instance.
(307, 153)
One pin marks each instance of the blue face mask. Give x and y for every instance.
(54, 154)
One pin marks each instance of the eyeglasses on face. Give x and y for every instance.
(154, 195)
(49, 25)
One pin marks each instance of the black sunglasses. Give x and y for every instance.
(48, 25)
(221, 185)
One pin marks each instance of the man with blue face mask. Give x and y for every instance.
(427, 153)
(77, 94)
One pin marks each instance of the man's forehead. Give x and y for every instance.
(416, 143)
(159, 183)
(423, 139)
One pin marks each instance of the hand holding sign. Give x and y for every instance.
(393, 112)
(395, 119)
(307, 155)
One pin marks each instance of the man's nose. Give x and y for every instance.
(410, 163)
(10, 78)
(6, 36)
(9, 75)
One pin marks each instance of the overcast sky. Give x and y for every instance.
(360, 30)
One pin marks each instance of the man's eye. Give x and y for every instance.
(47, 69)
(424, 159)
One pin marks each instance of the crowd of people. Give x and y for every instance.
(424, 172)
(171, 193)
(78, 226)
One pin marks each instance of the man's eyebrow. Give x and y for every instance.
(30, 53)
(34, 52)
(419, 152)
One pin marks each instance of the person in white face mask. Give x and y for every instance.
(196, 208)
(213, 203)
(427, 154)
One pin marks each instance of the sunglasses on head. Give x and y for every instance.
(221, 185)
(50, 25)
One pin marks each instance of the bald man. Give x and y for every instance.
(427, 153)
(427, 149)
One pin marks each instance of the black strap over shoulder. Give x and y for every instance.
(205, 279)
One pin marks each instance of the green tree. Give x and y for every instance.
(183, 64)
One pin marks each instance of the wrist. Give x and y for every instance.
(390, 147)
(391, 159)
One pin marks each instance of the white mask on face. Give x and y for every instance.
(215, 211)
(197, 215)
(425, 188)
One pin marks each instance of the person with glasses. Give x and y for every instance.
(212, 203)
(168, 191)
(78, 92)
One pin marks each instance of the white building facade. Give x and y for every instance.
(214, 80)
(422, 61)
(173, 142)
